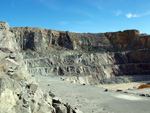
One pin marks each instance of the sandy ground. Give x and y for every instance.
(123, 86)
(93, 99)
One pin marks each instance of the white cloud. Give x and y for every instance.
(117, 13)
(130, 15)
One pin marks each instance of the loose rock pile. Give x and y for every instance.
(19, 91)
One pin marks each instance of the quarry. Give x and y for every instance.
(49, 71)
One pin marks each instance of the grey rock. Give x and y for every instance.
(7, 40)
(60, 108)
(143, 95)
(20, 109)
(106, 90)
(56, 100)
(77, 110)
(4, 25)
(20, 92)
(33, 87)
(147, 95)
(148, 83)
(51, 94)
(119, 90)
(130, 88)
(48, 98)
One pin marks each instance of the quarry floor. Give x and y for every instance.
(94, 99)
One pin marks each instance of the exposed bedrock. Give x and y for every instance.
(38, 39)
(19, 91)
(90, 67)
(84, 57)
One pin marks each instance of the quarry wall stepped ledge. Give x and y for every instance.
(99, 54)
(86, 70)
(86, 59)
(95, 66)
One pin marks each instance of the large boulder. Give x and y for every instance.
(4, 25)
(7, 40)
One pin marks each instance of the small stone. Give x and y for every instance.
(32, 100)
(148, 83)
(106, 90)
(119, 90)
(130, 88)
(57, 100)
(134, 87)
(60, 108)
(142, 95)
(51, 94)
(147, 95)
(77, 110)
(26, 105)
(33, 87)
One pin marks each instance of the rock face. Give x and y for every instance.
(4, 25)
(84, 57)
(19, 91)
(38, 39)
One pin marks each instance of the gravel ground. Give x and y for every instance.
(94, 99)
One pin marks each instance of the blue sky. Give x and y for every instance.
(94, 16)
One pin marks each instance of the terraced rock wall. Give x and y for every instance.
(94, 67)
(85, 57)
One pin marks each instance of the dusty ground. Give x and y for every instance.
(123, 86)
(93, 99)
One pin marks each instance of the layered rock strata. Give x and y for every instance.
(84, 57)
(38, 39)
(19, 91)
